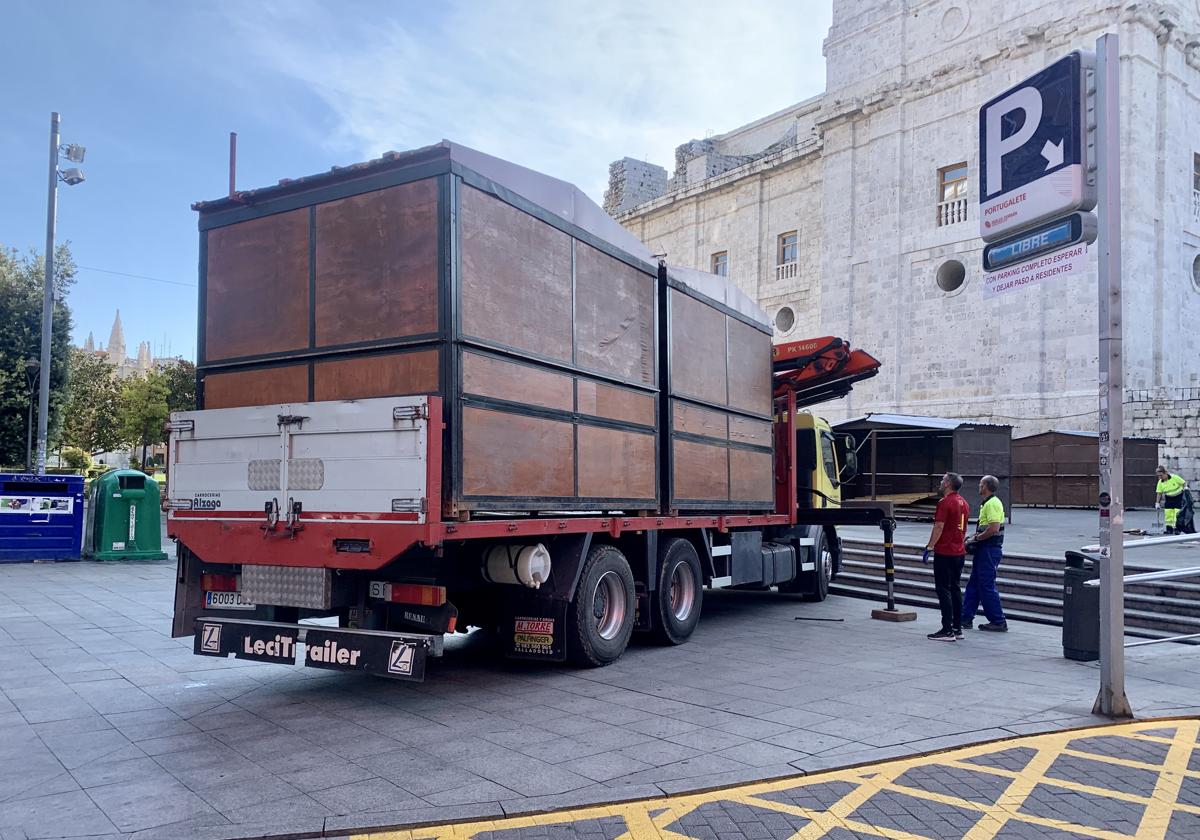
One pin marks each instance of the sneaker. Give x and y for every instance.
(942, 636)
(994, 628)
(958, 634)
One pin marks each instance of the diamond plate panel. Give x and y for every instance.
(287, 586)
(263, 474)
(305, 474)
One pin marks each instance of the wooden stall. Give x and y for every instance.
(541, 321)
(1060, 468)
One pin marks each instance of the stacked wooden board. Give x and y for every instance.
(540, 321)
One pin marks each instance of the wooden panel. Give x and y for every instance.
(515, 283)
(701, 471)
(256, 299)
(264, 386)
(377, 265)
(616, 465)
(613, 403)
(390, 375)
(746, 430)
(749, 368)
(510, 455)
(750, 476)
(697, 349)
(694, 420)
(486, 376)
(614, 316)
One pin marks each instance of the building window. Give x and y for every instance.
(1196, 273)
(785, 319)
(789, 246)
(952, 194)
(720, 263)
(951, 275)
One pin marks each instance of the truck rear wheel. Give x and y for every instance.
(600, 619)
(680, 593)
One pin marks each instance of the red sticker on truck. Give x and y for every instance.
(533, 636)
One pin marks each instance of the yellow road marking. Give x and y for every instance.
(869, 781)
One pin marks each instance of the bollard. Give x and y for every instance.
(889, 572)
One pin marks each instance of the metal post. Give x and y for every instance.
(1111, 700)
(874, 462)
(889, 561)
(48, 298)
(29, 434)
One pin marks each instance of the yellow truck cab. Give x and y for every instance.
(825, 459)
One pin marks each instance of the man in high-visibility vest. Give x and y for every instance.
(1176, 502)
(987, 546)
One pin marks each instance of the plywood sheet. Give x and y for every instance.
(694, 420)
(697, 350)
(487, 376)
(614, 316)
(750, 476)
(749, 368)
(388, 375)
(256, 287)
(701, 471)
(260, 386)
(614, 403)
(515, 281)
(748, 430)
(615, 464)
(377, 265)
(514, 456)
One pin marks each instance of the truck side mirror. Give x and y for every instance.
(849, 460)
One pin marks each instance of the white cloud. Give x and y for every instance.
(563, 87)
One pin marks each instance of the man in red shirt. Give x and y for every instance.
(949, 552)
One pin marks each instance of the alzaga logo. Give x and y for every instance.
(206, 501)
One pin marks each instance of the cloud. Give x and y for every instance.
(563, 87)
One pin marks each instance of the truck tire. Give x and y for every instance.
(680, 592)
(600, 618)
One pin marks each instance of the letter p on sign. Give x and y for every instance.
(1026, 100)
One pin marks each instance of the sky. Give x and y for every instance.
(153, 89)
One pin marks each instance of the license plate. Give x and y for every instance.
(226, 601)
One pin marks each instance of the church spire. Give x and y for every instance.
(90, 345)
(116, 342)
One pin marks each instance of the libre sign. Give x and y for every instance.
(1033, 149)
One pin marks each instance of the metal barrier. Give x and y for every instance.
(1147, 577)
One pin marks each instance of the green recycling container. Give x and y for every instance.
(123, 518)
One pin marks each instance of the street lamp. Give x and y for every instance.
(32, 366)
(70, 177)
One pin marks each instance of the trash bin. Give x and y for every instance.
(41, 517)
(124, 520)
(1081, 609)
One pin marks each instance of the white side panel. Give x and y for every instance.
(347, 457)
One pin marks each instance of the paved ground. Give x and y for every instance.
(110, 728)
(1134, 780)
(1052, 532)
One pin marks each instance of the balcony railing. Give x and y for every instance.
(1195, 206)
(786, 271)
(952, 212)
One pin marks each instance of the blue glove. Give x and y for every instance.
(925, 556)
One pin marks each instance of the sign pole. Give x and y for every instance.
(1111, 700)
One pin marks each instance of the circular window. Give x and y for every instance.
(951, 275)
(1196, 273)
(785, 319)
(954, 22)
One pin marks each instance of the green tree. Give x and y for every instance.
(144, 410)
(21, 277)
(92, 416)
(180, 377)
(75, 458)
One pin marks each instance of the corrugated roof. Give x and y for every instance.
(915, 421)
(1086, 434)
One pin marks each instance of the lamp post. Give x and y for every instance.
(32, 366)
(71, 177)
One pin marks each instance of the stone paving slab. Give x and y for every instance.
(110, 728)
(966, 792)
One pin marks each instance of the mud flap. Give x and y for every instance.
(535, 628)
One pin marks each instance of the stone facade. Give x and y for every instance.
(856, 173)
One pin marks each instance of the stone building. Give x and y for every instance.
(855, 214)
(115, 353)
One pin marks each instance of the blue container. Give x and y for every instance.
(41, 517)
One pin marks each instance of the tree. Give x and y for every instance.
(21, 278)
(180, 377)
(92, 416)
(144, 410)
(75, 458)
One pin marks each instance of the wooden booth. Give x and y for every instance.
(1060, 468)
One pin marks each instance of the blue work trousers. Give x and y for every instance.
(981, 587)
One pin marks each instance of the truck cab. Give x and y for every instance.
(825, 461)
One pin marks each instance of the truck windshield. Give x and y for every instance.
(828, 458)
